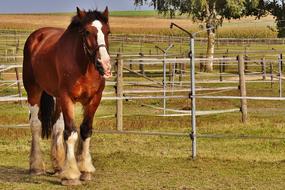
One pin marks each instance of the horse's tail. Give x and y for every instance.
(47, 111)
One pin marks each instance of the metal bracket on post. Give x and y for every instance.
(192, 136)
(190, 95)
(190, 55)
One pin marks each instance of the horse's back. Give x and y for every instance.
(38, 59)
(42, 38)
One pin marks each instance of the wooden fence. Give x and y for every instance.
(11, 43)
(175, 87)
(242, 63)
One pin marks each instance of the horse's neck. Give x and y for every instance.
(75, 48)
(73, 39)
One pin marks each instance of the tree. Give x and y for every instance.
(274, 7)
(277, 9)
(210, 12)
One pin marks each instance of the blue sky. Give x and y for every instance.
(39, 6)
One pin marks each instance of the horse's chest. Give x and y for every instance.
(84, 89)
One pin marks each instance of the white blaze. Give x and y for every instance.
(101, 41)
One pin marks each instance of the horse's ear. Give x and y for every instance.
(80, 13)
(106, 12)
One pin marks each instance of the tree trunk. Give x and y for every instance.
(210, 49)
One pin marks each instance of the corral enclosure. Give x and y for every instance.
(239, 156)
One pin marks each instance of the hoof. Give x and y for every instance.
(57, 172)
(36, 172)
(70, 182)
(86, 176)
(54, 173)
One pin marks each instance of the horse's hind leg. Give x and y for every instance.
(37, 166)
(57, 149)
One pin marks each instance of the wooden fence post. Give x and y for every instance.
(17, 49)
(141, 45)
(180, 73)
(271, 74)
(263, 68)
(141, 66)
(280, 76)
(131, 65)
(201, 64)
(281, 60)
(119, 92)
(170, 72)
(221, 70)
(122, 46)
(17, 45)
(6, 56)
(183, 68)
(246, 59)
(224, 64)
(242, 88)
(180, 47)
(19, 85)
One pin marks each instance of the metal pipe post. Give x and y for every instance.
(193, 99)
(119, 92)
(193, 135)
(164, 73)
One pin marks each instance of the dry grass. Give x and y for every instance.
(247, 27)
(28, 22)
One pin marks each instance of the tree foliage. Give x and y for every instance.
(277, 9)
(209, 11)
(213, 12)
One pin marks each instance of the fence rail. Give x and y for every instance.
(230, 70)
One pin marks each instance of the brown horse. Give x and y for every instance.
(62, 67)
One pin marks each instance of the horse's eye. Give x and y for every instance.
(87, 32)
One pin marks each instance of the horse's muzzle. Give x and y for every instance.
(106, 64)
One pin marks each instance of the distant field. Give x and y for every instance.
(134, 13)
(143, 22)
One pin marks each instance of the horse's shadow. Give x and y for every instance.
(13, 174)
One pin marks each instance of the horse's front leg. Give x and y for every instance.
(83, 154)
(70, 173)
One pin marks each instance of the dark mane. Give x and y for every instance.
(90, 16)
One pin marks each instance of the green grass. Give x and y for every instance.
(139, 162)
(159, 162)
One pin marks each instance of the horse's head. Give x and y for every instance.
(94, 29)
